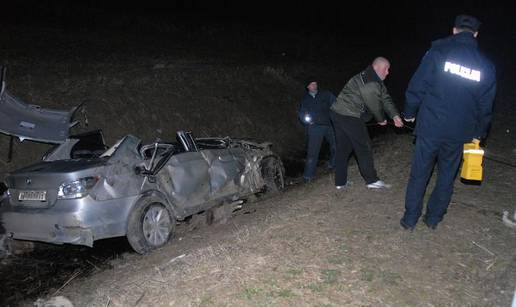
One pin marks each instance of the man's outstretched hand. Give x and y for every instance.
(397, 121)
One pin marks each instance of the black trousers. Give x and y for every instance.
(351, 135)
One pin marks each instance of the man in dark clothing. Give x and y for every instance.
(363, 98)
(452, 94)
(314, 113)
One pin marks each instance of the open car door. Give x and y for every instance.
(32, 122)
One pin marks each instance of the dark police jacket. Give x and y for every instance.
(318, 108)
(452, 91)
(365, 96)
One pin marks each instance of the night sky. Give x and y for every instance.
(383, 20)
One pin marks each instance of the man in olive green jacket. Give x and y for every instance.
(363, 98)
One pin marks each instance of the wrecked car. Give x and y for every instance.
(82, 192)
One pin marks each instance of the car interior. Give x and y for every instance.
(91, 145)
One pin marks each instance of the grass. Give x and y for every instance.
(206, 301)
(337, 259)
(367, 275)
(343, 247)
(252, 293)
(390, 278)
(316, 287)
(330, 276)
(293, 273)
(258, 294)
(284, 293)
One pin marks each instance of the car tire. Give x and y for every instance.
(273, 173)
(150, 225)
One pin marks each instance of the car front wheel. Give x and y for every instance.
(150, 226)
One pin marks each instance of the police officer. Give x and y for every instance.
(451, 93)
(314, 112)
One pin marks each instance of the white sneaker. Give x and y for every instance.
(379, 185)
(340, 187)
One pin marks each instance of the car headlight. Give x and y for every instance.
(76, 189)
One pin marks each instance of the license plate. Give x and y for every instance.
(33, 195)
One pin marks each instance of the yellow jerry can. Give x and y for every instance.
(472, 161)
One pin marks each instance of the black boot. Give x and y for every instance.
(406, 226)
(431, 226)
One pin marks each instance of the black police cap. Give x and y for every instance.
(467, 22)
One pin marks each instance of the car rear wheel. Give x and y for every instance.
(273, 174)
(150, 226)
